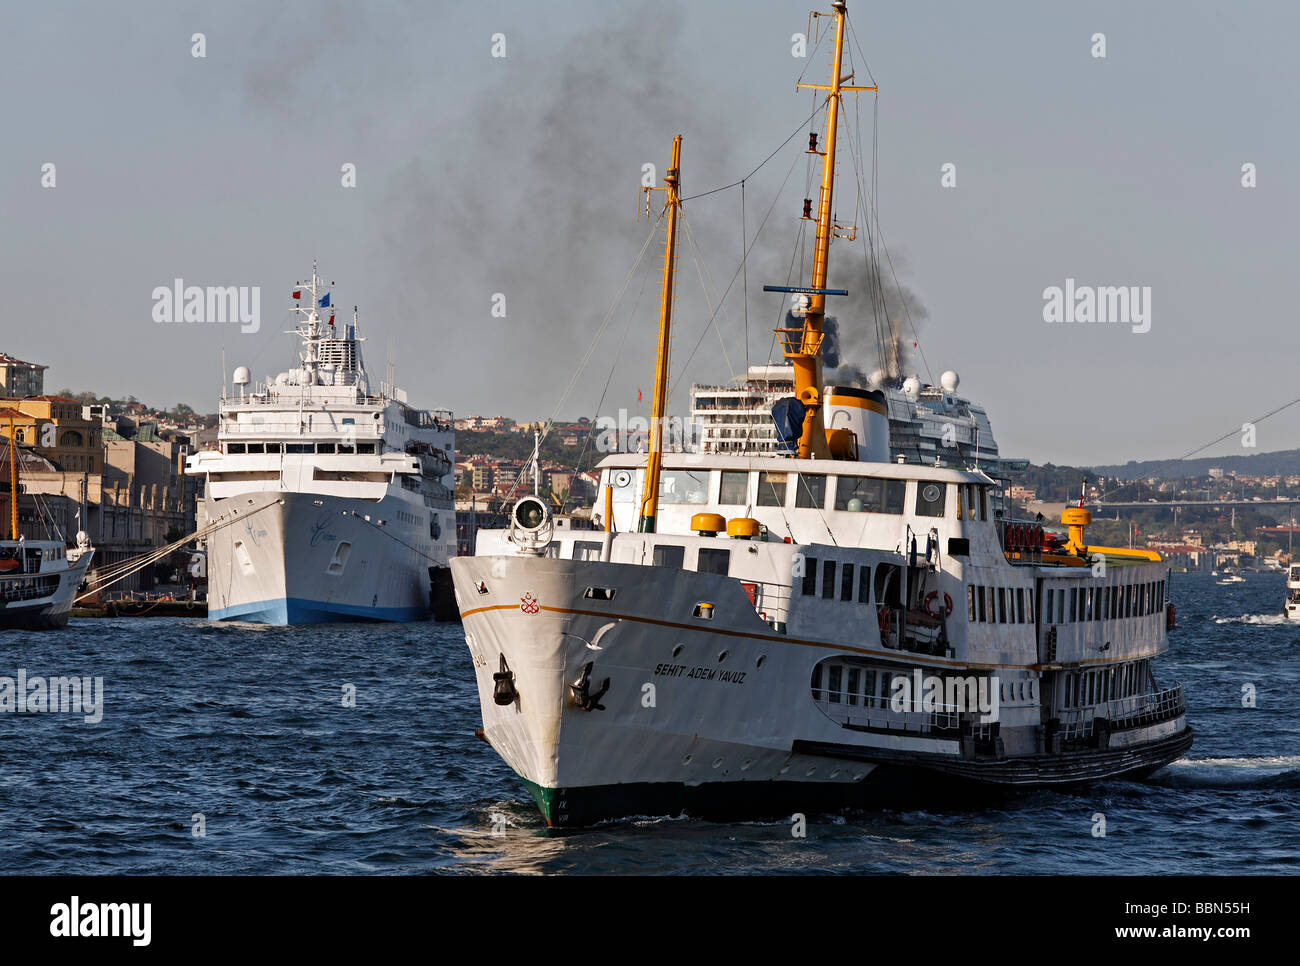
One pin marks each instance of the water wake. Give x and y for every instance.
(1271, 770)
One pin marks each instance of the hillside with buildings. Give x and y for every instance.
(113, 468)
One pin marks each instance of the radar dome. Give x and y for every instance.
(241, 376)
(949, 380)
(912, 388)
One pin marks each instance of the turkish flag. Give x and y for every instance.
(638, 395)
(297, 294)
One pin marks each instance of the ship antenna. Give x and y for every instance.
(803, 345)
(654, 461)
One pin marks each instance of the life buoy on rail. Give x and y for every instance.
(934, 596)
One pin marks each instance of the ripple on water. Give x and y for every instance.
(241, 729)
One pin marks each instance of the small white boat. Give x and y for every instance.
(1291, 606)
(1232, 579)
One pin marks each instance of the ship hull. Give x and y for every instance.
(48, 612)
(713, 718)
(300, 558)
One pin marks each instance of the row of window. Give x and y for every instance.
(853, 685)
(812, 490)
(831, 588)
(237, 449)
(1062, 606)
(867, 686)
(999, 605)
(1086, 688)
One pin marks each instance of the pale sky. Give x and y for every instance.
(478, 175)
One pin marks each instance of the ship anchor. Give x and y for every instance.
(503, 689)
(581, 697)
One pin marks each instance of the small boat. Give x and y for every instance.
(1291, 606)
(38, 578)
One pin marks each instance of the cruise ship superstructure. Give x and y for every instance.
(339, 497)
(928, 424)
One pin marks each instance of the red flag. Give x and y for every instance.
(638, 395)
(297, 293)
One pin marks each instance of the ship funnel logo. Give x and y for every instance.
(529, 603)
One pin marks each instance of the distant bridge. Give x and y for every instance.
(1183, 504)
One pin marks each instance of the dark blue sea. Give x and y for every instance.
(246, 727)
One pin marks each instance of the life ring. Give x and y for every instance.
(884, 620)
(933, 596)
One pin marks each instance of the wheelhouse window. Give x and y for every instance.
(858, 494)
(828, 579)
(586, 550)
(733, 490)
(930, 498)
(809, 576)
(771, 489)
(846, 582)
(864, 583)
(810, 490)
(684, 486)
(668, 555)
(234, 448)
(714, 561)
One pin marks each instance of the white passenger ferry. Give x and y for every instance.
(39, 579)
(338, 499)
(756, 635)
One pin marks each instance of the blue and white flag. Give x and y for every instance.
(325, 302)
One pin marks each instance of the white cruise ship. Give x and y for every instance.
(930, 425)
(339, 499)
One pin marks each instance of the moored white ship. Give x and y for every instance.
(338, 498)
(752, 635)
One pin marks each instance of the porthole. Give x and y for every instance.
(678, 649)
(761, 658)
(723, 655)
(686, 759)
(622, 478)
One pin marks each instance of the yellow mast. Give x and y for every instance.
(654, 462)
(13, 485)
(803, 346)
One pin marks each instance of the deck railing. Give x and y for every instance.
(873, 711)
(1130, 712)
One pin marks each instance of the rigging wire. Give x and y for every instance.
(736, 274)
(735, 184)
(586, 357)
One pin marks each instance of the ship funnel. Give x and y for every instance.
(864, 413)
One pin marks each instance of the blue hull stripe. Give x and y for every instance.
(299, 610)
